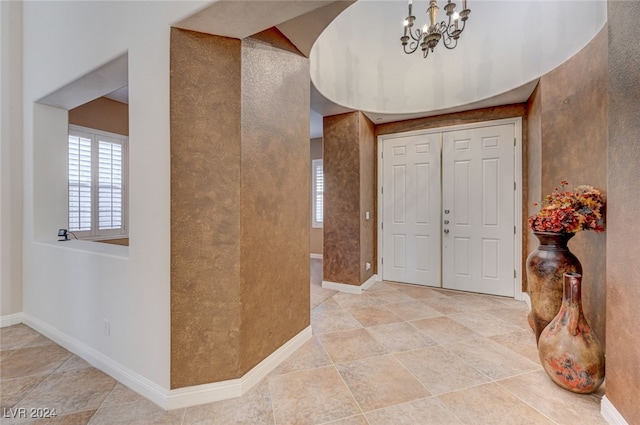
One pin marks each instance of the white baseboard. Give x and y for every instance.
(610, 413)
(316, 256)
(181, 397)
(526, 298)
(350, 289)
(207, 393)
(11, 319)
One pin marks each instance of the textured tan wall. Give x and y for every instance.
(102, 114)
(341, 252)
(623, 221)
(315, 238)
(534, 164)
(574, 148)
(275, 213)
(368, 199)
(205, 208)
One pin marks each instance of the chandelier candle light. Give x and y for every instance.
(429, 36)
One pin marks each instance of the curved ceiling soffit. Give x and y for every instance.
(358, 62)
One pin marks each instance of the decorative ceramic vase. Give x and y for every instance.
(570, 352)
(545, 268)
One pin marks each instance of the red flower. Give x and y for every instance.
(570, 211)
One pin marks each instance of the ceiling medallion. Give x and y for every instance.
(429, 36)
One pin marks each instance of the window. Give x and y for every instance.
(97, 188)
(317, 180)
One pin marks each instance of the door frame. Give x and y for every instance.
(517, 207)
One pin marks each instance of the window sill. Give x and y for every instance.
(111, 250)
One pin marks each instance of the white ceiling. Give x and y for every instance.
(358, 62)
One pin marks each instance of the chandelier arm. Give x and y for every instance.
(416, 38)
(449, 42)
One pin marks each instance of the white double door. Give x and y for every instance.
(448, 209)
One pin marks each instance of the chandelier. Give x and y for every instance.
(429, 36)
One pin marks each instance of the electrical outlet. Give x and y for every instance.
(367, 266)
(367, 215)
(107, 327)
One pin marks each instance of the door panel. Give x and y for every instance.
(411, 213)
(478, 202)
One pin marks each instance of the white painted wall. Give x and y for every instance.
(11, 159)
(73, 286)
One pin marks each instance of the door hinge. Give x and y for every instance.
(382, 190)
(514, 141)
(514, 230)
(381, 154)
(381, 260)
(514, 273)
(514, 186)
(382, 225)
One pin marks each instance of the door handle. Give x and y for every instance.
(446, 231)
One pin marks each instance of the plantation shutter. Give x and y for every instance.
(110, 180)
(97, 183)
(79, 183)
(318, 192)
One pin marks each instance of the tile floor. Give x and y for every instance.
(396, 354)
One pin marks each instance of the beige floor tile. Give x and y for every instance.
(350, 345)
(319, 295)
(399, 337)
(426, 411)
(332, 321)
(413, 310)
(392, 296)
(491, 358)
(355, 300)
(522, 342)
(16, 336)
(69, 392)
(380, 286)
(311, 397)
(490, 404)
(446, 305)
(564, 407)
(78, 418)
(440, 370)
(444, 330)
(121, 394)
(14, 390)
(141, 412)
(38, 341)
(311, 355)
(379, 382)
(476, 301)
(374, 315)
(418, 292)
(33, 361)
(515, 316)
(74, 362)
(327, 305)
(252, 408)
(353, 420)
(483, 323)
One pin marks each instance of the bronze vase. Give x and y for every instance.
(570, 352)
(545, 268)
